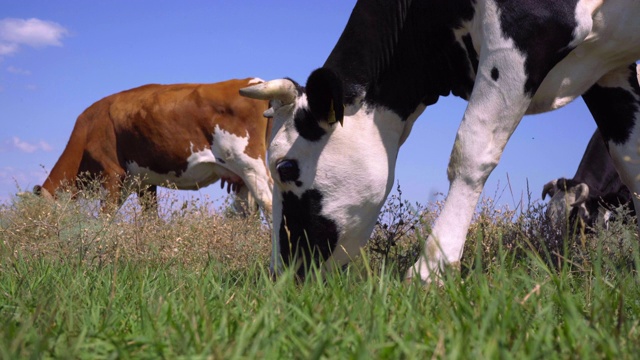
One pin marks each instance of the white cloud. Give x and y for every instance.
(18, 71)
(6, 49)
(10, 175)
(12, 179)
(31, 32)
(45, 146)
(21, 145)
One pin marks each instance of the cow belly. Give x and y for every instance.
(202, 170)
(606, 49)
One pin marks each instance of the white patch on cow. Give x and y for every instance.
(605, 217)
(584, 21)
(353, 165)
(613, 42)
(255, 81)
(366, 174)
(201, 171)
(226, 158)
(254, 174)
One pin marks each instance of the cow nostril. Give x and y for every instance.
(288, 170)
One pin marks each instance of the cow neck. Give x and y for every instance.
(399, 54)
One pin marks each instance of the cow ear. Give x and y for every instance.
(325, 96)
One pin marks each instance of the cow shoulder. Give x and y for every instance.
(235, 114)
(544, 31)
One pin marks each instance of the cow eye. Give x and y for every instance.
(288, 170)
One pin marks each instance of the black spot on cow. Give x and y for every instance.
(325, 103)
(542, 30)
(304, 233)
(495, 74)
(307, 125)
(614, 109)
(288, 171)
(325, 95)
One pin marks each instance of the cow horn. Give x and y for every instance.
(269, 113)
(582, 194)
(280, 89)
(549, 188)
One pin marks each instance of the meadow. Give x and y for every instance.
(194, 284)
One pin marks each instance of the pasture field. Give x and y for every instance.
(195, 285)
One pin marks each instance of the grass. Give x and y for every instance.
(73, 285)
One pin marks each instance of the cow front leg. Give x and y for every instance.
(244, 203)
(495, 109)
(260, 186)
(512, 66)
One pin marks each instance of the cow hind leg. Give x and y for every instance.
(253, 171)
(256, 179)
(614, 102)
(113, 180)
(259, 186)
(489, 120)
(244, 203)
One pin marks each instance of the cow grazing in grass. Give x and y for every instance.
(594, 192)
(335, 141)
(183, 136)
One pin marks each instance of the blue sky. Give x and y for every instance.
(58, 57)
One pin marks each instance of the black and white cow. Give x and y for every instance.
(335, 142)
(594, 192)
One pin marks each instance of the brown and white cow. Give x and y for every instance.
(185, 136)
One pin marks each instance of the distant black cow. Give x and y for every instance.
(594, 192)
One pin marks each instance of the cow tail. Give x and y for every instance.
(66, 169)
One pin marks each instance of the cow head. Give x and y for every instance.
(40, 191)
(568, 201)
(572, 200)
(332, 163)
